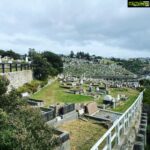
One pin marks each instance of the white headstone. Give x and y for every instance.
(81, 111)
(81, 81)
(97, 89)
(10, 61)
(27, 59)
(58, 118)
(26, 94)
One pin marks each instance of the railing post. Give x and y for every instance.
(16, 67)
(3, 68)
(124, 126)
(109, 141)
(21, 67)
(117, 134)
(10, 67)
(128, 119)
(24, 66)
(28, 67)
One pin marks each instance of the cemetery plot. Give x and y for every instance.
(124, 104)
(81, 90)
(106, 115)
(78, 67)
(122, 97)
(55, 94)
(83, 133)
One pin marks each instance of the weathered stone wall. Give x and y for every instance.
(18, 78)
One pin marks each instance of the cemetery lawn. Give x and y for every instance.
(132, 94)
(83, 134)
(55, 94)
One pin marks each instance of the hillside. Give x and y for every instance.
(104, 67)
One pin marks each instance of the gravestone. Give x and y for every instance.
(26, 59)
(48, 113)
(56, 108)
(90, 88)
(25, 94)
(66, 109)
(97, 89)
(91, 108)
(35, 102)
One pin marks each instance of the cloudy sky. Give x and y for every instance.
(102, 27)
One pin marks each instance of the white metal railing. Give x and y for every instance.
(122, 123)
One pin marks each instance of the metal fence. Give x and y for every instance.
(10, 67)
(119, 127)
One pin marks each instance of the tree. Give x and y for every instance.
(3, 85)
(12, 54)
(41, 67)
(25, 129)
(32, 53)
(22, 127)
(2, 52)
(54, 60)
(71, 54)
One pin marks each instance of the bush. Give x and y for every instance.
(30, 87)
(140, 89)
(147, 96)
(43, 83)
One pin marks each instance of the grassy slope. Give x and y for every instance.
(131, 93)
(54, 94)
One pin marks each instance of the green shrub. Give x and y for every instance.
(147, 96)
(140, 89)
(43, 83)
(31, 87)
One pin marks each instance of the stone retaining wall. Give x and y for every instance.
(18, 78)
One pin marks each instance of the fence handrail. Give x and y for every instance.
(115, 123)
(10, 67)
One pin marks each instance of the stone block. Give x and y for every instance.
(144, 114)
(142, 131)
(91, 108)
(142, 125)
(143, 121)
(138, 146)
(140, 138)
(144, 117)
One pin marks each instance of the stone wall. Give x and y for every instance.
(18, 78)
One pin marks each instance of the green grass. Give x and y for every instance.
(125, 105)
(54, 94)
(130, 93)
(83, 134)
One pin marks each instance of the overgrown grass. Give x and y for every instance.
(130, 93)
(125, 105)
(83, 134)
(54, 94)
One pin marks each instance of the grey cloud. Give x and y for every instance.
(68, 24)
